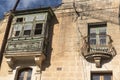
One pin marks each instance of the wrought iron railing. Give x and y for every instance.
(98, 49)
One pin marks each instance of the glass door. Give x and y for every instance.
(97, 35)
(101, 76)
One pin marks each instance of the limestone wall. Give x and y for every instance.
(65, 61)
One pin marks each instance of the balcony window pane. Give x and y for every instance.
(16, 30)
(38, 29)
(27, 29)
(19, 20)
(40, 17)
(29, 18)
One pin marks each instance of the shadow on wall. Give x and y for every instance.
(48, 54)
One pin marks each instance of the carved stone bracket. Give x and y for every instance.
(38, 61)
(97, 61)
(10, 62)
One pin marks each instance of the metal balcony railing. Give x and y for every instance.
(98, 50)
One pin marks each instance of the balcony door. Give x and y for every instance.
(24, 74)
(97, 34)
(101, 76)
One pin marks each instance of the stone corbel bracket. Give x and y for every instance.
(10, 62)
(97, 61)
(38, 61)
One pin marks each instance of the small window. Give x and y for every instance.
(24, 74)
(16, 30)
(101, 76)
(27, 29)
(38, 29)
(19, 20)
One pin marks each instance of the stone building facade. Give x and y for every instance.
(82, 42)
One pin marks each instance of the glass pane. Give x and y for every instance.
(19, 20)
(92, 30)
(102, 29)
(102, 32)
(40, 17)
(27, 29)
(27, 32)
(92, 41)
(95, 77)
(29, 18)
(102, 37)
(17, 27)
(16, 30)
(102, 41)
(21, 75)
(28, 26)
(17, 33)
(92, 35)
(107, 77)
(38, 28)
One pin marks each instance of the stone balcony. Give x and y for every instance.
(97, 53)
(25, 49)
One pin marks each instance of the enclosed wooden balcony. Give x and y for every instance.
(98, 49)
(25, 50)
(29, 37)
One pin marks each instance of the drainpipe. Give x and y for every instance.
(10, 18)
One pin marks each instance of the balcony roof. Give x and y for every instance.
(35, 10)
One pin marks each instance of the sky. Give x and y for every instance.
(6, 5)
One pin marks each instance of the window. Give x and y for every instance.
(97, 33)
(29, 25)
(16, 30)
(101, 76)
(19, 20)
(24, 74)
(38, 28)
(27, 29)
